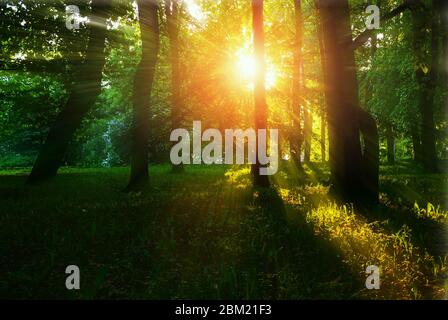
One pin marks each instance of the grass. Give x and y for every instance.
(208, 233)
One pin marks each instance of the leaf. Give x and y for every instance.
(424, 68)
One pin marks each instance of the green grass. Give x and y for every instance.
(208, 233)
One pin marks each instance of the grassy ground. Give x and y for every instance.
(208, 234)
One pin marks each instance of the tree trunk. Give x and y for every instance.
(444, 65)
(416, 143)
(323, 107)
(308, 130)
(143, 80)
(427, 79)
(370, 157)
(259, 88)
(307, 116)
(444, 28)
(172, 11)
(350, 181)
(323, 129)
(297, 94)
(82, 98)
(390, 141)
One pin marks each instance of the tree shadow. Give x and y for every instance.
(289, 259)
(427, 234)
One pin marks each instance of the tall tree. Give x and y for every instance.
(307, 133)
(297, 86)
(307, 115)
(323, 106)
(390, 142)
(353, 169)
(172, 12)
(261, 108)
(426, 75)
(143, 80)
(83, 95)
(444, 27)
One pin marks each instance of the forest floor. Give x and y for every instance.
(207, 233)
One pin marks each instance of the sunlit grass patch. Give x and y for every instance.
(431, 212)
(239, 176)
(406, 271)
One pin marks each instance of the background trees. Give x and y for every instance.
(207, 72)
(110, 93)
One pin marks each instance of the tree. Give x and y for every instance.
(390, 141)
(323, 101)
(172, 12)
(354, 170)
(426, 74)
(261, 107)
(83, 95)
(143, 80)
(297, 86)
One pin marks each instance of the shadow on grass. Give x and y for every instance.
(292, 263)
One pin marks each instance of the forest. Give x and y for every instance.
(347, 101)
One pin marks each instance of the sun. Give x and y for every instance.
(246, 68)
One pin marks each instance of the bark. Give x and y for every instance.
(416, 143)
(143, 80)
(444, 65)
(308, 133)
(427, 80)
(259, 88)
(172, 11)
(297, 94)
(353, 177)
(390, 141)
(323, 128)
(307, 116)
(83, 95)
(444, 26)
(370, 157)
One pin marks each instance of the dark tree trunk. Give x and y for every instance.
(308, 134)
(323, 107)
(370, 157)
(427, 79)
(307, 117)
(444, 28)
(416, 143)
(82, 98)
(353, 177)
(444, 65)
(390, 141)
(143, 80)
(323, 129)
(297, 87)
(172, 11)
(259, 89)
